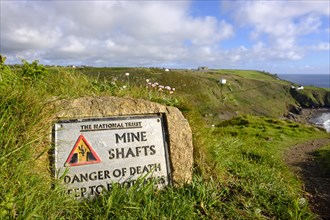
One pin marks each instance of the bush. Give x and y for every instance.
(33, 71)
(7, 77)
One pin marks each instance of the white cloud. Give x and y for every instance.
(73, 45)
(322, 46)
(110, 31)
(280, 24)
(155, 33)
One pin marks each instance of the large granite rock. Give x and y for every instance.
(180, 136)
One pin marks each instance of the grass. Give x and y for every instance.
(249, 74)
(311, 97)
(323, 157)
(239, 172)
(247, 152)
(243, 93)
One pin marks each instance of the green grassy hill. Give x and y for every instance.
(239, 140)
(246, 92)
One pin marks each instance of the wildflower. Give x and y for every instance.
(302, 201)
(124, 87)
(160, 88)
(168, 88)
(173, 89)
(126, 74)
(147, 80)
(171, 92)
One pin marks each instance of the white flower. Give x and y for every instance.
(302, 201)
(161, 87)
(167, 87)
(147, 80)
(173, 89)
(126, 74)
(124, 87)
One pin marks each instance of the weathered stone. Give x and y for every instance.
(180, 136)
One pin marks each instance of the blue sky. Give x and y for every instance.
(275, 36)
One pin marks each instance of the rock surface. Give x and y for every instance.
(180, 135)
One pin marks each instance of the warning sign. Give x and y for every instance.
(82, 153)
(92, 154)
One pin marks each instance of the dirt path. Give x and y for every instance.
(317, 183)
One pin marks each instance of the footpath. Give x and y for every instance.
(302, 159)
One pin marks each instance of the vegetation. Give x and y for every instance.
(33, 71)
(239, 172)
(311, 97)
(323, 157)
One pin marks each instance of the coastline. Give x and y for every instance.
(313, 116)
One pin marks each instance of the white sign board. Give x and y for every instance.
(92, 154)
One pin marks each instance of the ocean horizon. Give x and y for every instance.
(317, 80)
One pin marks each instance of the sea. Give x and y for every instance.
(317, 80)
(322, 118)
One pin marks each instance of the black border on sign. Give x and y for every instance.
(166, 139)
(164, 126)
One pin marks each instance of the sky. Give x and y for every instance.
(282, 37)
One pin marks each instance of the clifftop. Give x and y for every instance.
(241, 92)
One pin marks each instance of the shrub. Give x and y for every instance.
(7, 77)
(33, 71)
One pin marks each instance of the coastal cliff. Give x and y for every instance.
(311, 98)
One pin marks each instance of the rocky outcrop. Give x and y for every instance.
(180, 135)
(311, 98)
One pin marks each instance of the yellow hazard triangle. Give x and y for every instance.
(82, 154)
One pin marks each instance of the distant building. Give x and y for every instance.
(202, 68)
(222, 81)
(297, 88)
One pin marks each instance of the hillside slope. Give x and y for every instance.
(238, 168)
(246, 91)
